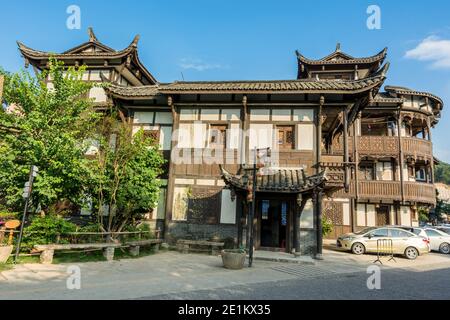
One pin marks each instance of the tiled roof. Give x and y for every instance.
(276, 180)
(77, 53)
(142, 91)
(280, 86)
(384, 97)
(36, 54)
(407, 91)
(332, 59)
(288, 86)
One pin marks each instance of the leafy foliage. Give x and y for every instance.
(46, 230)
(47, 128)
(327, 227)
(442, 173)
(126, 170)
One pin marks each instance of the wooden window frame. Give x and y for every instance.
(285, 146)
(215, 126)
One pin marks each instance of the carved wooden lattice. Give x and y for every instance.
(333, 211)
(204, 206)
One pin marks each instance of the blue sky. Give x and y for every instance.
(231, 39)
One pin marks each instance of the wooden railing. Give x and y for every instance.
(420, 192)
(417, 147)
(378, 145)
(380, 190)
(389, 146)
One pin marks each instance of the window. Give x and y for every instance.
(406, 130)
(285, 137)
(284, 213)
(265, 205)
(384, 171)
(444, 229)
(392, 128)
(395, 233)
(379, 233)
(217, 136)
(421, 175)
(152, 134)
(366, 171)
(433, 233)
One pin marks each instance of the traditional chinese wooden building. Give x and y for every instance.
(341, 149)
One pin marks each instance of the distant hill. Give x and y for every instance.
(442, 173)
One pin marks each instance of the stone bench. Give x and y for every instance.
(47, 251)
(213, 247)
(136, 245)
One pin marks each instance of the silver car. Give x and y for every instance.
(444, 228)
(439, 240)
(403, 242)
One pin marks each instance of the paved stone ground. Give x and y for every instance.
(170, 275)
(395, 285)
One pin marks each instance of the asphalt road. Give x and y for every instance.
(395, 284)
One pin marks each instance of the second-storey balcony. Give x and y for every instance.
(378, 145)
(388, 146)
(417, 147)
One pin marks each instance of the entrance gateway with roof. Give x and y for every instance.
(282, 194)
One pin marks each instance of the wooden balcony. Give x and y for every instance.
(387, 146)
(378, 145)
(378, 190)
(391, 190)
(418, 148)
(420, 192)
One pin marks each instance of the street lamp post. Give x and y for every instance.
(26, 196)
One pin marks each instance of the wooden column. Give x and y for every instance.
(319, 134)
(171, 178)
(317, 195)
(245, 140)
(432, 158)
(354, 204)
(317, 198)
(346, 157)
(297, 215)
(400, 156)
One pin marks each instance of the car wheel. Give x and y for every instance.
(444, 248)
(411, 253)
(358, 248)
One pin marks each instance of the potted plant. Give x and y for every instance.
(233, 258)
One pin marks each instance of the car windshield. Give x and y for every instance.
(365, 230)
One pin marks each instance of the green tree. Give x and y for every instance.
(47, 128)
(127, 168)
(442, 173)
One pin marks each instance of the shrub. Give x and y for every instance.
(47, 230)
(327, 227)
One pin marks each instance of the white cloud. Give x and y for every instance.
(433, 49)
(199, 65)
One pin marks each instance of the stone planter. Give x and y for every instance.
(233, 259)
(5, 252)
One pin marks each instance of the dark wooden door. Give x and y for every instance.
(383, 216)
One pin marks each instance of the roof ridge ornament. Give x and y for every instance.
(135, 41)
(92, 37)
(338, 47)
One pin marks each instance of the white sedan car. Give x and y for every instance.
(439, 240)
